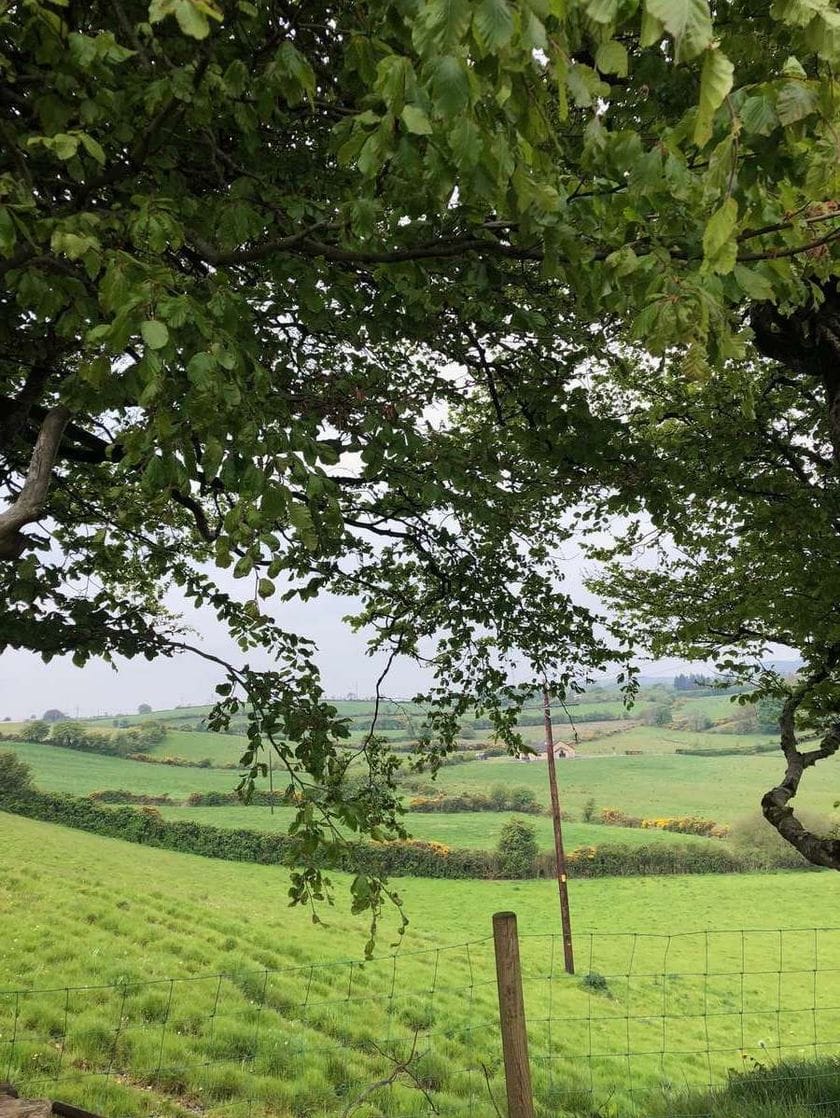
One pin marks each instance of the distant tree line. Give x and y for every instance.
(74, 735)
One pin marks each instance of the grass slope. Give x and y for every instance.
(296, 1027)
(720, 788)
(471, 829)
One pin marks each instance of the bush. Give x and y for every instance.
(38, 730)
(595, 983)
(517, 849)
(754, 839)
(144, 708)
(15, 776)
(121, 796)
(498, 799)
(615, 817)
(588, 813)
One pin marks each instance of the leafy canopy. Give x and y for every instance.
(305, 293)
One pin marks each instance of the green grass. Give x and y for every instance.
(195, 745)
(661, 739)
(720, 788)
(66, 770)
(478, 830)
(295, 1027)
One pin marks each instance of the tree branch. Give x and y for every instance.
(775, 804)
(31, 500)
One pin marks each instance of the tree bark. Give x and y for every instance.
(807, 341)
(32, 498)
(775, 805)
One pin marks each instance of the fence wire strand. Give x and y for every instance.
(719, 1016)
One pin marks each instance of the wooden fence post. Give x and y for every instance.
(512, 1017)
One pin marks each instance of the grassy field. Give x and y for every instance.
(661, 739)
(168, 984)
(65, 770)
(479, 830)
(720, 788)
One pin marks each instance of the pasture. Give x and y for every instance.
(298, 1026)
(471, 829)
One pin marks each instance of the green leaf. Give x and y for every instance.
(8, 234)
(214, 452)
(611, 58)
(154, 333)
(758, 116)
(450, 86)
(688, 21)
(754, 284)
(93, 148)
(796, 100)
(265, 587)
(602, 11)
(416, 120)
(64, 145)
(652, 30)
(465, 140)
(452, 21)
(301, 519)
(191, 20)
(715, 84)
(720, 249)
(493, 24)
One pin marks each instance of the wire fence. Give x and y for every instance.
(647, 1021)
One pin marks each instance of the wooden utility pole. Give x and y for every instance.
(557, 819)
(520, 1098)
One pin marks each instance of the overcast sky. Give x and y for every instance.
(29, 687)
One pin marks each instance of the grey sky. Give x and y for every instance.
(27, 686)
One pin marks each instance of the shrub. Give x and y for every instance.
(595, 983)
(688, 825)
(498, 799)
(15, 776)
(615, 817)
(121, 796)
(588, 813)
(754, 839)
(38, 730)
(517, 849)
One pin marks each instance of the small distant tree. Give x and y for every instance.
(15, 775)
(54, 715)
(698, 722)
(658, 715)
(144, 708)
(35, 731)
(68, 735)
(517, 848)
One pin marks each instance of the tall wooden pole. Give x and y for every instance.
(557, 819)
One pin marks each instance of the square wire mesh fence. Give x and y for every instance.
(411, 1034)
(688, 1024)
(666, 1026)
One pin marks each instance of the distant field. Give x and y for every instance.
(65, 770)
(720, 788)
(476, 830)
(660, 739)
(274, 1012)
(713, 706)
(194, 745)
